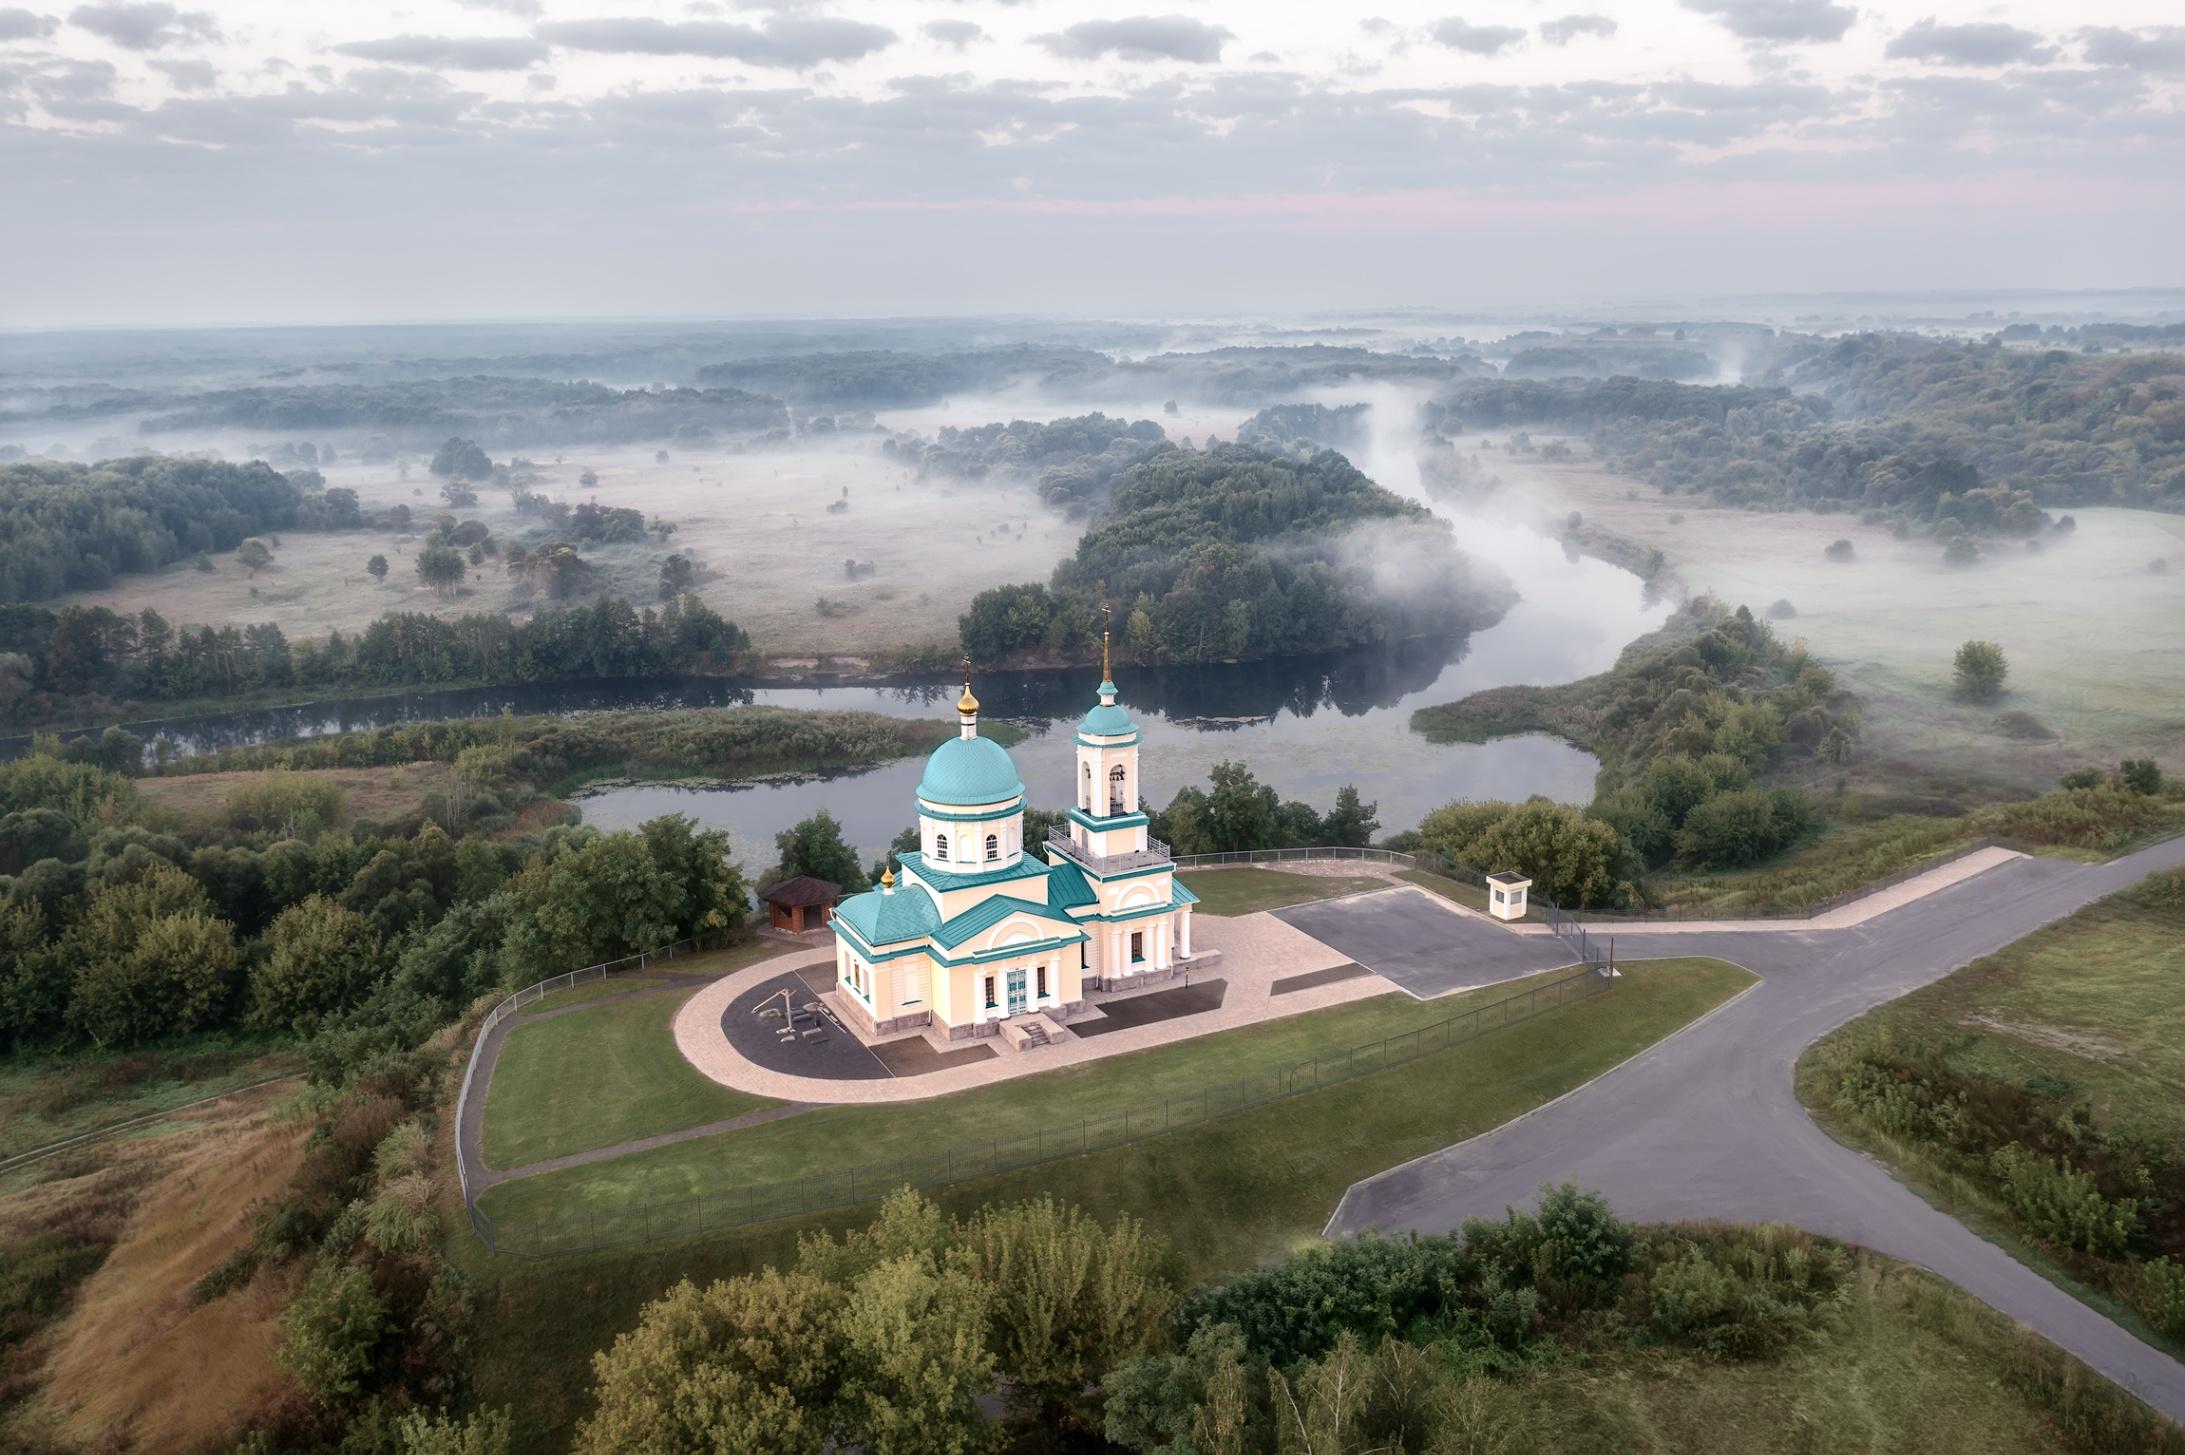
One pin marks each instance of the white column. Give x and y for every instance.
(1160, 943)
(1184, 919)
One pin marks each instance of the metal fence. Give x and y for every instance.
(1448, 868)
(555, 1236)
(518, 1001)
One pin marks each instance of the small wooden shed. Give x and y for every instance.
(800, 904)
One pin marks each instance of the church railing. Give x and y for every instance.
(1155, 852)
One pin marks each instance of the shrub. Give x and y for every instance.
(1743, 1293)
(331, 1332)
(1979, 670)
(2063, 1206)
(2160, 1297)
(485, 1432)
(1369, 1285)
(1839, 550)
(2081, 778)
(2164, 890)
(2082, 818)
(2140, 775)
(292, 805)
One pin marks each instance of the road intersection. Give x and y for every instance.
(1705, 1124)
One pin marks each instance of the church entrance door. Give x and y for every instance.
(1016, 992)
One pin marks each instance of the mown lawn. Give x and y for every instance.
(1237, 1187)
(1244, 890)
(597, 1076)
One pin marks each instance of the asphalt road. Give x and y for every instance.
(1705, 1124)
(1413, 939)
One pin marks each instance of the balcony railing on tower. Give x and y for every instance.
(1155, 852)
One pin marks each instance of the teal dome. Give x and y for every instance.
(964, 772)
(1107, 720)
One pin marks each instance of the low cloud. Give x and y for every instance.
(522, 9)
(1477, 40)
(144, 27)
(1984, 44)
(953, 33)
(2158, 48)
(26, 25)
(188, 75)
(449, 52)
(1778, 22)
(1143, 38)
(793, 42)
(1564, 30)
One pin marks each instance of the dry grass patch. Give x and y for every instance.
(392, 792)
(137, 1363)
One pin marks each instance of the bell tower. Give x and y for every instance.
(1104, 816)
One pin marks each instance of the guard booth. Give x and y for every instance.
(1506, 894)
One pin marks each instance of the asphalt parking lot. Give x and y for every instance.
(1413, 939)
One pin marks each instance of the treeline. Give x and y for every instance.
(1236, 553)
(1281, 426)
(1689, 726)
(2071, 428)
(550, 753)
(887, 378)
(1501, 403)
(55, 662)
(1076, 460)
(495, 410)
(1236, 812)
(66, 527)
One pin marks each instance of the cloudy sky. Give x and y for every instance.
(300, 160)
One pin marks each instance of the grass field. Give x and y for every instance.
(597, 1076)
(391, 792)
(598, 989)
(1406, 1107)
(1244, 890)
(44, 1099)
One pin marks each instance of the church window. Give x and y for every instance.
(940, 847)
(1115, 789)
(990, 1001)
(993, 848)
(1137, 947)
(1043, 980)
(1087, 804)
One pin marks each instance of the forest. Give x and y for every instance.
(1234, 553)
(81, 657)
(1076, 460)
(75, 527)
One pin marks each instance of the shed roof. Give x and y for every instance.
(803, 890)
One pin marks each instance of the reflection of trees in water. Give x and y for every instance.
(1204, 697)
(1225, 696)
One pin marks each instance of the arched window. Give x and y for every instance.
(1115, 789)
(940, 847)
(993, 848)
(1087, 804)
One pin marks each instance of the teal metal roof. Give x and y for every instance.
(988, 913)
(1067, 887)
(967, 771)
(888, 919)
(1107, 720)
(947, 876)
(1180, 893)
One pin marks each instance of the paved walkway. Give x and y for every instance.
(1256, 950)
(1705, 1124)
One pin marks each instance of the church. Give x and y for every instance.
(981, 927)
